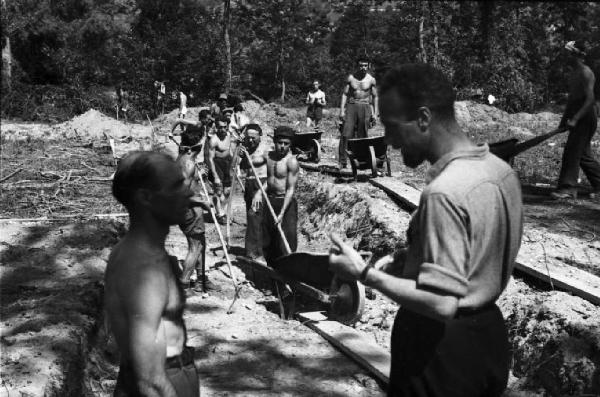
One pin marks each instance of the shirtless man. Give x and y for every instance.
(252, 194)
(360, 96)
(580, 119)
(282, 175)
(220, 149)
(143, 299)
(315, 99)
(216, 109)
(195, 131)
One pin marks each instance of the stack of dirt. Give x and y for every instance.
(555, 341)
(475, 115)
(93, 125)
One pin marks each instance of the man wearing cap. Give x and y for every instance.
(359, 107)
(282, 175)
(216, 109)
(580, 119)
(252, 195)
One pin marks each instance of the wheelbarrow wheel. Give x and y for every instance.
(373, 162)
(347, 300)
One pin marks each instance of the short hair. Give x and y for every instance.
(203, 114)
(283, 131)
(253, 126)
(421, 85)
(238, 108)
(223, 119)
(361, 60)
(137, 170)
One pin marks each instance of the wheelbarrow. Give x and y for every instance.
(309, 273)
(509, 148)
(307, 146)
(368, 153)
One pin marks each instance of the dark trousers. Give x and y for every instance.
(181, 372)
(273, 246)
(254, 233)
(578, 153)
(465, 356)
(356, 125)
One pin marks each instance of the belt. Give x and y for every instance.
(185, 358)
(472, 311)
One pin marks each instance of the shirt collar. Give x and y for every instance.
(479, 151)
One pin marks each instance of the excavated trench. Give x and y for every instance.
(555, 337)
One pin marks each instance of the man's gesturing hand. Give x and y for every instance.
(345, 260)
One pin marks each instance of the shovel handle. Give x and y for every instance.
(286, 245)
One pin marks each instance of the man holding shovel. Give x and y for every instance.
(282, 175)
(256, 154)
(581, 119)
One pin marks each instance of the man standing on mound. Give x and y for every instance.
(359, 99)
(220, 148)
(449, 338)
(581, 119)
(143, 299)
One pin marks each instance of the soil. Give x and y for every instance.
(51, 332)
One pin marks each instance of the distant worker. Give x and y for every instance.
(216, 109)
(282, 175)
(239, 119)
(359, 107)
(220, 149)
(581, 119)
(255, 208)
(143, 299)
(194, 132)
(315, 99)
(449, 338)
(122, 103)
(161, 91)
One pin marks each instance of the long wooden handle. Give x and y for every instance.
(286, 245)
(214, 218)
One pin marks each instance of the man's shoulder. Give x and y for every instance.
(461, 176)
(292, 161)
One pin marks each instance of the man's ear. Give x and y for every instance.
(423, 118)
(143, 197)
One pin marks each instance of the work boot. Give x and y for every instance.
(564, 194)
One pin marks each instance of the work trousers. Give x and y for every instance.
(356, 125)
(273, 247)
(465, 356)
(578, 153)
(254, 220)
(181, 372)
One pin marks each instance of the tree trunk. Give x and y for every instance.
(7, 58)
(486, 29)
(422, 53)
(227, 41)
(6, 64)
(434, 21)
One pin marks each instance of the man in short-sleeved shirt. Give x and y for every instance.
(449, 337)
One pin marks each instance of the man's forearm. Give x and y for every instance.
(287, 199)
(343, 104)
(587, 105)
(405, 292)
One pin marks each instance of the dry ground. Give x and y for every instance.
(51, 272)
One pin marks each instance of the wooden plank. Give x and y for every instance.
(567, 277)
(357, 346)
(579, 282)
(407, 196)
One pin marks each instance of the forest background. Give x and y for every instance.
(62, 57)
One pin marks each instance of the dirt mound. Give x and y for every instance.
(93, 125)
(555, 339)
(472, 114)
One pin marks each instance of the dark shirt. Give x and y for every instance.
(192, 135)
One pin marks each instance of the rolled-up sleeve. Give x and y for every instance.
(444, 235)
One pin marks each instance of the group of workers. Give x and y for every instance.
(449, 337)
